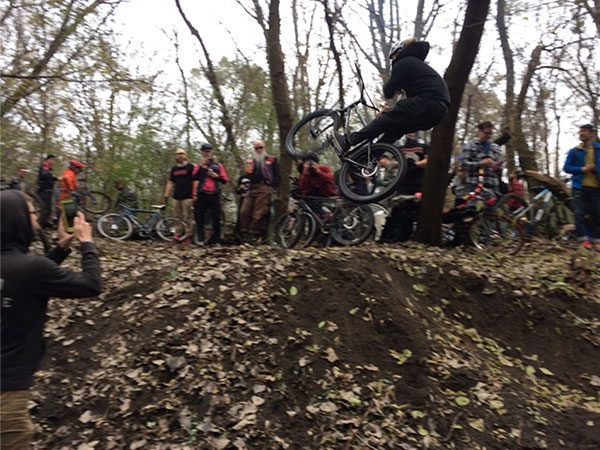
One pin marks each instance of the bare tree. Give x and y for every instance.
(456, 76)
(271, 27)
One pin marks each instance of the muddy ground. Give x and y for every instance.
(374, 347)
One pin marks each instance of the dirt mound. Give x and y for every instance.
(386, 347)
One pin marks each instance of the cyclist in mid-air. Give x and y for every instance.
(426, 103)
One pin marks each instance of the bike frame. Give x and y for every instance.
(541, 202)
(146, 226)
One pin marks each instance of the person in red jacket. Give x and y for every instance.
(316, 180)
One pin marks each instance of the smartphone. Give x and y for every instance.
(69, 211)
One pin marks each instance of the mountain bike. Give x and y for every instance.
(334, 218)
(480, 223)
(369, 171)
(121, 225)
(547, 212)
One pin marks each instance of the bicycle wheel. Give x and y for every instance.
(371, 173)
(491, 233)
(550, 223)
(170, 227)
(352, 224)
(115, 226)
(513, 205)
(289, 228)
(313, 133)
(96, 202)
(308, 231)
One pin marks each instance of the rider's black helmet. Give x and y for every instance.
(206, 146)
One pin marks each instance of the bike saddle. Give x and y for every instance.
(159, 207)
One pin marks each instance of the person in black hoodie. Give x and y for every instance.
(426, 103)
(26, 283)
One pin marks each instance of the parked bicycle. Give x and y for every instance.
(548, 210)
(333, 218)
(121, 225)
(477, 221)
(370, 171)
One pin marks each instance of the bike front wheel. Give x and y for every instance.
(96, 202)
(170, 227)
(115, 226)
(371, 173)
(491, 233)
(312, 134)
(352, 224)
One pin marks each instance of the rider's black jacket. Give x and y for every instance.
(417, 79)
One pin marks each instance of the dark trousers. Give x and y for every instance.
(212, 204)
(46, 198)
(411, 114)
(587, 200)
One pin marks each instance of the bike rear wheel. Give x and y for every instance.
(312, 133)
(96, 202)
(170, 227)
(289, 228)
(115, 226)
(492, 233)
(371, 173)
(352, 224)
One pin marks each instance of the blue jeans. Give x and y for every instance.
(587, 200)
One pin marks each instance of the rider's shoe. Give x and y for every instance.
(587, 245)
(340, 141)
(176, 239)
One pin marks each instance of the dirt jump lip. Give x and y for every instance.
(359, 347)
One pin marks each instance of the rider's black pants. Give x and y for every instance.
(46, 213)
(408, 115)
(212, 204)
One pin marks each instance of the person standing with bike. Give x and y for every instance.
(482, 154)
(263, 171)
(427, 97)
(68, 179)
(181, 183)
(583, 162)
(316, 180)
(45, 189)
(207, 194)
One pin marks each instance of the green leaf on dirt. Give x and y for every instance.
(546, 371)
(462, 401)
(417, 414)
(400, 358)
(476, 424)
(496, 404)
(419, 288)
(293, 290)
(313, 348)
(322, 324)
(353, 311)
(530, 370)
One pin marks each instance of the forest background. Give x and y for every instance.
(120, 84)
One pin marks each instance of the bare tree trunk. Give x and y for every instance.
(526, 156)
(281, 99)
(418, 32)
(186, 102)
(456, 76)
(510, 81)
(329, 19)
(211, 75)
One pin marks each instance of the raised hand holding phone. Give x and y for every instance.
(81, 229)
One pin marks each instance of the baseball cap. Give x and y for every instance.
(588, 126)
(180, 151)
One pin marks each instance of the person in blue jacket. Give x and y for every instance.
(583, 162)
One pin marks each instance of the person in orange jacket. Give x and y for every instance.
(68, 179)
